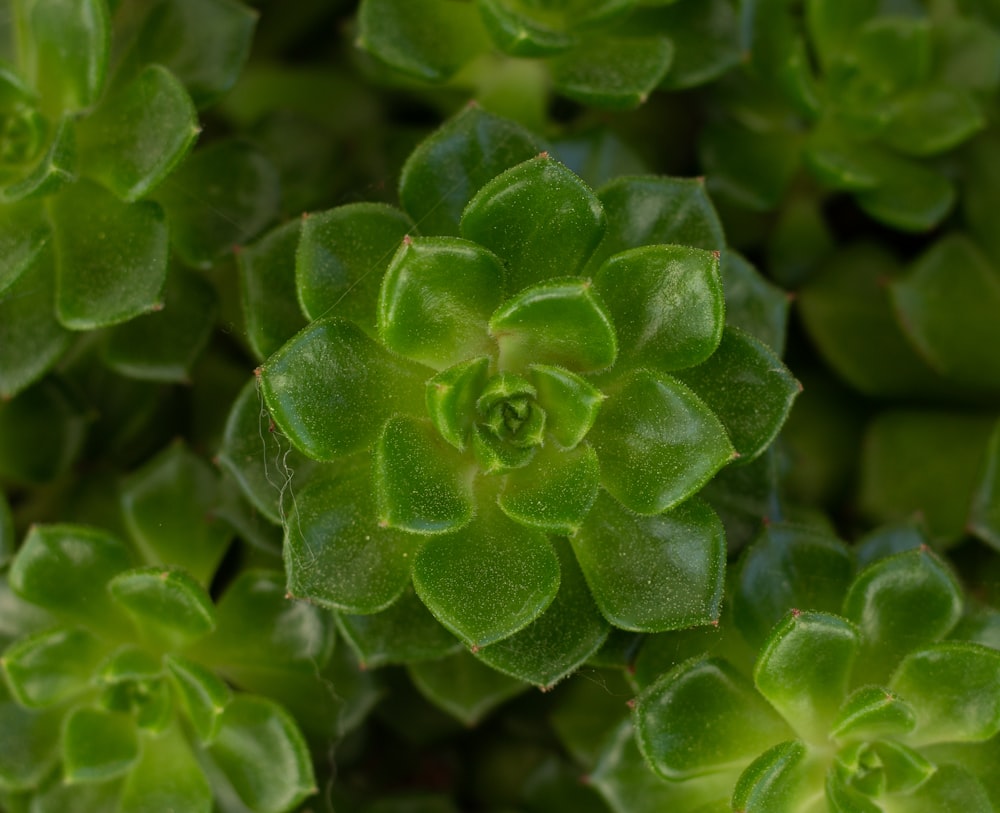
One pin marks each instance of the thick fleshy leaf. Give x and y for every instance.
(342, 256)
(336, 554)
(950, 285)
(872, 712)
(658, 443)
(98, 745)
(781, 780)
(422, 485)
(560, 639)
(203, 42)
(496, 456)
(463, 687)
(41, 433)
(403, 633)
(267, 468)
(984, 515)
(164, 346)
(748, 387)
(539, 218)
(488, 580)
(262, 753)
(29, 743)
(425, 39)
(8, 541)
(559, 322)
(778, 574)
(754, 304)
(666, 303)
(53, 170)
(267, 282)
(63, 50)
(168, 505)
(31, 338)
(451, 165)
(953, 689)
(571, 404)
(51, 666)
(649, 210)
(165, 602)
(616, 74)
(222, 196)
(933, 119)
(653, 573)
(24, 232)
(111, 257)
(703, 717)
(203, 694)
(898, 604)
(555, 492)
(518, 32)
(331, 388)
(804, 668)
(66, 569)
(910, 196)
(137, 136)
(833, 25)
(451, 399)
(436, 298)
(926, 462)
(166, 777)
(950, 787)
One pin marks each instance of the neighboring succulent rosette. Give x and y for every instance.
(870, 693)
(552, 363)
(98, 114)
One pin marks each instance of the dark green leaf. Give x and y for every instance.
(203, 694)
(63, 49)
(111, 257)
(984, 516)
(753, 303)
(450, 166)
(222, 196)
(422, 485)
(488, 580)
(98, 745)
(952, 688)
(657, 442)
(66, 569)
(203, 42)
(54, 169)
(436, 298)
(910, 196)
(570, 403)
(41, 433)
(616, 74)
(267, 280)
(24, 232)
(653, 573)
(137, 136)
(555, 491)
(748, 388)
(666, 303)
(167, 506)
(425, 39)
(560, 322)
(934, 119)
(166, 777)
(402, 633)
(336, 554)
(900, 603)
(331, 388)
(262, 753)
(892, 52)
(833, 24)
(560, 639)
(804, 669)
(31, 338)
(967, 54)
(703, 717)
(519, 32)
(539, 218)
(451, 398)
(777, 574)
(29, 743)
(464, 687)
(342, 256)
(49, 667)
(164, 346)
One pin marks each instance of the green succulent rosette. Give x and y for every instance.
(510, 395)
(862, 690)
(128, 687)
(98, 111)
(609, 54)
(866, 96)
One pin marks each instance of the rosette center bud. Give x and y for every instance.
(508, 409)
(22, 134)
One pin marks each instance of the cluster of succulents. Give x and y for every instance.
(367, 367)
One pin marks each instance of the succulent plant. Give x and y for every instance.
(864, 95)
(610, 54)
(511, 359)
(863, 695)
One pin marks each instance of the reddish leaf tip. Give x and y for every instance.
(257, 371)
(585, 779)
(474, 649)
(543, 154)
(237, 249)
(472, 103)
(796, 612)
(157, 307)
(407, 240)
(630, 703)
(305, 215)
